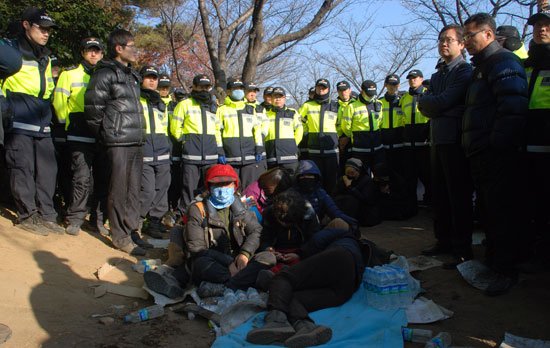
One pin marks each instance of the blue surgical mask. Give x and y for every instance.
(222, 197)
(237, 94)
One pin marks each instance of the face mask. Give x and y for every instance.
(351, 177)
(222, 197)
(370, 93)
(237, 94)
(308, 184)
(202, 97)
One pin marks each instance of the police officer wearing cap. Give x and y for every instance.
(164, 88)
(197, 129)
(68, 101)
(416, 137)
(302, 146)
(320, 118)
(29, 151)
(284, 133)
(155, 179)
(267, 98)
(250, 92)
(241, 134)
(508, 37)
(537, 155)
(344, 98)
(361, 121)
(393, 124)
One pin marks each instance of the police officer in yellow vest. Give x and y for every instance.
(241, 134)
(284, 133)
(537, 67)
(361, 121)
(164, 88)
(393, 124)
(508, 37)
(250, 92)
(68, 101)
(416, 138)
(197, 129)
(155, 180)
(320, 117)
(344, 99)
(29, 151)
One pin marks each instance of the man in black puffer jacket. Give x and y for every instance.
(114, 114)
(496, 103)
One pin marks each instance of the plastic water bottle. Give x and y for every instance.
(145, 314)
(150, 262)
(240, 295)
(229, 297)
(402, 280)
(144, 268)
(393, 284)
(376, 287)
(253, 295)
(416, 335)
(442, 340)
(384, 293)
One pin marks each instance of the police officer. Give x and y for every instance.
(197, 130)
(155, 180)
(29, 151)
(302, 146)
(250, 91)
(344, 98)
(284, 133)
(416, 138)
(319, 118)
(361, 121)
(164, 88)
(68, 102)
(508, 37)
(392, 124)
(241, 134)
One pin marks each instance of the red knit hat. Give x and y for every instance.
(221, 173)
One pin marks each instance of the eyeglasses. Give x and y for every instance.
(471, 35)
(43, 30)
(132, 46)
(446, 40)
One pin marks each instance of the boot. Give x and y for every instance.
(154, 228)
(164, 284)
(208, 289)
(175, 255)
(308, 334)
(276, 329)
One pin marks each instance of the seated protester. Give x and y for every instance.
(330, 272)
(269, 184)
(308, 184)
(287, 224)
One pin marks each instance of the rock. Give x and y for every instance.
(106, 321)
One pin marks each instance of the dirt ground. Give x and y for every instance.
(47, 301)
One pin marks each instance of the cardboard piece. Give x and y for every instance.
(423, 311)
(107, 267)
(512, 341)
(118, 289)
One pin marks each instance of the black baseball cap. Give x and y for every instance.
(544, 12)
(368, 85)
(91, 42)
(202, 80)
(149, 70)
(414, 73)
(234, 83)
(342, 85)
(251, 86)
(268, 91)
(38, 16)
(278, 91)
(164, 80)
(507, 31)
(311, 90)
(322, 82)
(392, 79)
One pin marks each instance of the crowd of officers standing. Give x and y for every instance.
(135, 152)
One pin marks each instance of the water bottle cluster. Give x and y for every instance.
(231, 297)
(386, 287)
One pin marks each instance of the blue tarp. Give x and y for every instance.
(353, 324)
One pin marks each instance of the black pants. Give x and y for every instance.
(213, 266)
(155, 182)
(452, 198)
(370, 159)
(192, 178)
(123, 200)
(537, 176)
(174, 192)
(416, 164)
(394, 159)
(32, 170)
(86, 160)
(62, 196)
(494, 175)
(248, 173)
(328, 165)
(327, 279)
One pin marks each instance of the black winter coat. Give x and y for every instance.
(443, 103)
(496, 102)
(112, 107)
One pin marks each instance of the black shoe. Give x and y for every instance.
(163, 284)
(51, 226)
(154, 229)
(457, 260)
(501, 285)
(132, 249)
(73, 229)
(437, 250)
(140, 242)
(208, 289)
(33, 225)
(276, 329)
(308, 334)
(263, 279)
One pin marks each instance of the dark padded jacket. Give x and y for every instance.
(496, 102)
(443, 103)
(209, 232)
(10, 63)
(112, 107)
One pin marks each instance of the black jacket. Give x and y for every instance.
(443, 103)
(538, 120)
(112, 107)
(10, 63)
(496, 102)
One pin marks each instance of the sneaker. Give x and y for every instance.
(164, 284)
(308, 334)
(72, 229)
(51, 226)
(140, 242)
(208, 289)
(132, 249)
(276, 329)
(32, 225)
